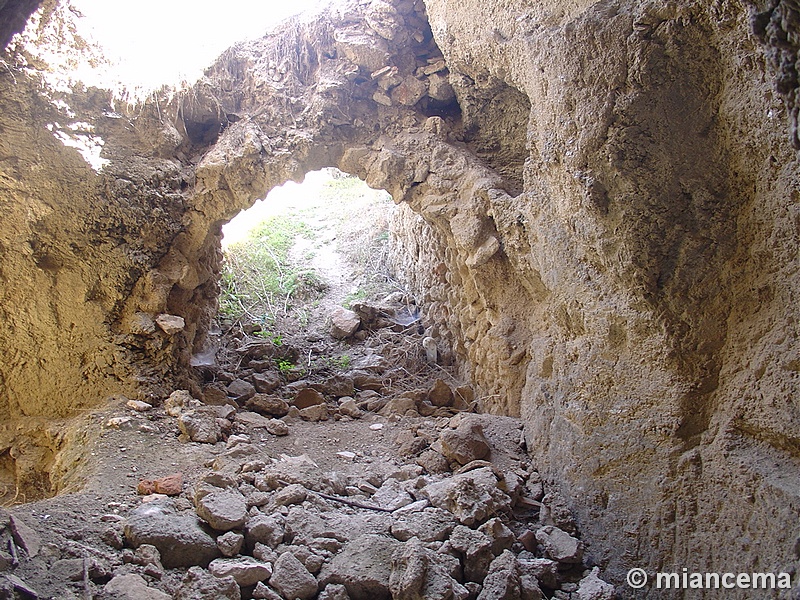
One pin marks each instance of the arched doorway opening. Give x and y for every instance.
(310, 297)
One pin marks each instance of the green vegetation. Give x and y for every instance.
(259, 278)
(352, 297)
(285, 365)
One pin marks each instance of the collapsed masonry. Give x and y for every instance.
(602, 224)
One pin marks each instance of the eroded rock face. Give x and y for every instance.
(600, 221)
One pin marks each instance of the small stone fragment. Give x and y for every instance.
(230, 543)
(223, 510)
(245, 570)
(199, 584)
(138, 405)
(559, 545)
(277, 428)
(344, 323)
(170, 324)
(292, 579)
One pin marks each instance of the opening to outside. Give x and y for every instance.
(296, 258)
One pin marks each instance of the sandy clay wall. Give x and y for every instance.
(600, 217)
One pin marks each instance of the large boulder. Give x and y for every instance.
(291, 578)
(418, 572)
(465, 443)
(223, 510)
(180, 538)
(199, 584)
(471, 496)
(363, 567)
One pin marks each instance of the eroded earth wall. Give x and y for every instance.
(601, 219)
(659, 219)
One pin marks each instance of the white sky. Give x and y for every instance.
(168, 41)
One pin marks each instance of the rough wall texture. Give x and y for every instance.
(604, 232)
(659, 224)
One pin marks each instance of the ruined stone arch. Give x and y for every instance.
(339, 91)
(617, 268)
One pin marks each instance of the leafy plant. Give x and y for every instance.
(285, 365)
(259, 278)
(353, 297)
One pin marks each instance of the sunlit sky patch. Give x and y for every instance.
(154, 42)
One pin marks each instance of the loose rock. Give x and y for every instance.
(199, 584)
(132, 587)
(200, 425)
(170, 324)
(241, 390)
(292, 579)
(418, 572)
(559, 545)
(180, 539)
(592, 587)
(471, 496)
(440, 394)
(429, 525)
(308, 397)
(277, 428)
(245, 570)
(315, 413)
(230, 543)
(344, 323)
(268, 405)
(465, 443)
(223, 510)
(363, 567)
(264, 529)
